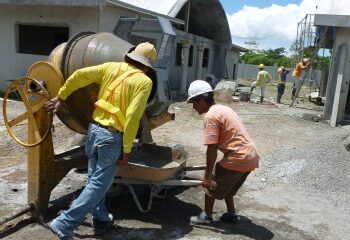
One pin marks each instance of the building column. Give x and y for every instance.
(184, 66)
(200, 50)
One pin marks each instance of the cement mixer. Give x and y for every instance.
(89, 49)
(43, 81)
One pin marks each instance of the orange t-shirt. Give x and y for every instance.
(222, 126)
(298, 69)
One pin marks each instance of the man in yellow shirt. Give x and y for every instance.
(261, 80)
(122, 99)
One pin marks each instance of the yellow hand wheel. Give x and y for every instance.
(34, 96)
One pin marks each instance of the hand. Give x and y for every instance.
(206, 183)
(125, 159)
(54, 105)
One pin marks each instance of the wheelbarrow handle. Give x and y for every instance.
(195, 168)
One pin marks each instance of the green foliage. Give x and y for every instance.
(322, 62)
(277, 53)
(268, 57)
(278, 56)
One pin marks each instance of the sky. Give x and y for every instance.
(273, 23)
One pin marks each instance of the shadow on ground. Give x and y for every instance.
(168, 218)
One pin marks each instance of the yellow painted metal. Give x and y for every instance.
(33, 101)
(56, 56)
(49, 74)
(41, 166)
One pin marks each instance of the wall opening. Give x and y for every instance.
(40, 40)
(190, 57)
(205, 62)
(178, 54)
(347, 107)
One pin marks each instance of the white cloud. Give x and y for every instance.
(276, 26)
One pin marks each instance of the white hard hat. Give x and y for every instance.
(198, 87)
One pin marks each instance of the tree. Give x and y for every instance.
(267, 57)
(277, 56)
(277, 53)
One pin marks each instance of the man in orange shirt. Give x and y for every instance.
(224, 131)
(304, 64)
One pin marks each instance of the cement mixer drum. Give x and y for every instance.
(83, 50)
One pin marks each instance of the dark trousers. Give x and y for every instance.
(280, 89)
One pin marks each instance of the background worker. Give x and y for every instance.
(304, 64)
(281, 82)
(261, 80)
(123, 94)
(224, 131)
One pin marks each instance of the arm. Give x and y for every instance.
(82, 78)
(134, 113)
(212, 151)
(305, 67)
(78, 79)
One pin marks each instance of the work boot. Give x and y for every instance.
(261, 100)
(278, 99)
(202, 218)
(56, 231)
(101, 227)
(230, 217)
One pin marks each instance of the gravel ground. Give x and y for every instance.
(321, 166)
(300, 190)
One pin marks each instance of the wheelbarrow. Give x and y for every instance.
(158, 167)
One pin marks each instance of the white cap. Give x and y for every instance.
(198, 87)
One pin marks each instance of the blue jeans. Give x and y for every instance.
(103, 149)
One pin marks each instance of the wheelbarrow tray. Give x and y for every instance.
(153, 163)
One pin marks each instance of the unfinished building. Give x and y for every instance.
(337, 105)
(192, 37)
(326, 31)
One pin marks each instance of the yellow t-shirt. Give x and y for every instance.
(136, 91)
(263, 78)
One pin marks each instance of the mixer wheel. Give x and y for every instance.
(34, 96)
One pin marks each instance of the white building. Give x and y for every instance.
(192, 37)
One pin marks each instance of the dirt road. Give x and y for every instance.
(299, 192)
